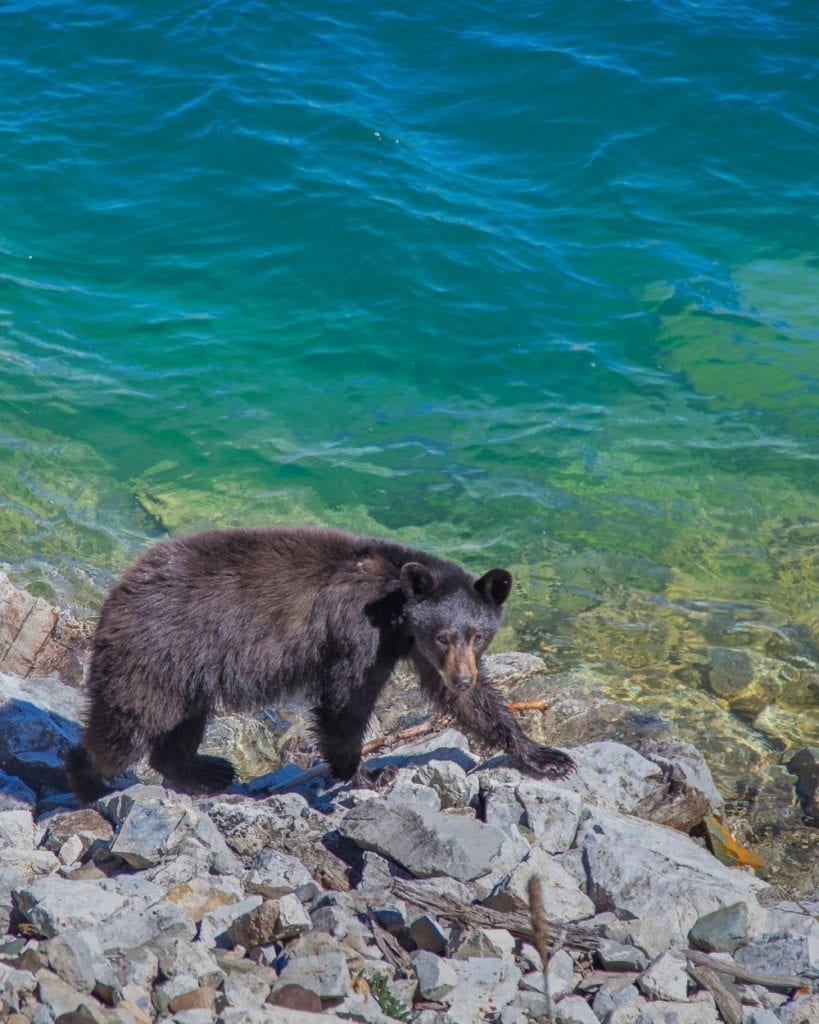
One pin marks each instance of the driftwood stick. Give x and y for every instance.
(728, 1004)
(513, 921)
(743, 974)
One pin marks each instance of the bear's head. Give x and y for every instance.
(453, 620)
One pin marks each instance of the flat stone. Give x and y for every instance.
(618, 956)
(665, 978)
(198, 897)
(563, 900)
(721, 931)
(789, 954)
(55, 904)
(660, 877)
(426, 843)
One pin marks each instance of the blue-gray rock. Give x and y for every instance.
(721, 931)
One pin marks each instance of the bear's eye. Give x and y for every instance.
(442, 639)
(477, 639)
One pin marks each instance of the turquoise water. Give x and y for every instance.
(530, 284)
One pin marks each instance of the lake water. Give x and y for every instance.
(529, 284)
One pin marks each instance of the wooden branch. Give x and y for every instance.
(743, 974)
(729, 1006)
(473, 914)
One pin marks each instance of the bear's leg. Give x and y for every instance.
(482, 713)
(112, 741)
(340, 728)
(173, 754)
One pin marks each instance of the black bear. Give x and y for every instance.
(235, 619)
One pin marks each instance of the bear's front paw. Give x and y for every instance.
(549, 761)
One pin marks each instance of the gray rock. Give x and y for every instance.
(496, 943)
(615, 995)
(157, 825)
(436, 976)
(721, 931)
(249, 989)
(17, 830)
(15, 794)
(789, 954)
(560, 972)
(803, 1009)
(56, 995)
(690, 793)
(15, 986)
(448, 745)
(426, 843)
(551, 813)
(328, 975)
(660, 877)
(501, 806)
(39, 723)
(698, 1011)
(454, 787)
(75, 956)
(484, 987)
(563, 900)
(403, 790)
(428, 934)
(574, 1010)
(275, 874)
(213, 928)
(665, 978)
(617, 956)
(55, 904)
(181, 957)
(759, 1015)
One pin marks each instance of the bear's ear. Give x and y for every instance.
(417, 581)
(494, 586)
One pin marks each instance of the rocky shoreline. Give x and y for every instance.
(288, 897)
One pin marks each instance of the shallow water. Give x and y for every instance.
(531, 286)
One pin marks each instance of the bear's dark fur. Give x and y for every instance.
(235, 619)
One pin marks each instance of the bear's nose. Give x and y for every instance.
(463, 681)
